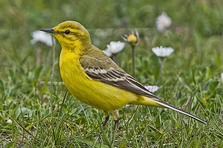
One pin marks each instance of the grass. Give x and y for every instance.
(46, 115)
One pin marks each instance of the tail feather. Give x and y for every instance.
(155, 101)
(179, 110)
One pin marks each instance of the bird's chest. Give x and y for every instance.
(72, 73)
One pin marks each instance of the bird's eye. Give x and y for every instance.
(67, 32)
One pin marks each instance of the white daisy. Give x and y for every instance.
(162, 51)
(40, 36)
(151, 88)
(114, 47)
(163, 22)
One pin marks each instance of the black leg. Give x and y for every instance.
(116, 124)
(115, 131)
(103, 125)
(115, 115)
(105, 122)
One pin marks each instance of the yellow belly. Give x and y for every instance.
(89, 91)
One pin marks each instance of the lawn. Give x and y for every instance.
(36, 110)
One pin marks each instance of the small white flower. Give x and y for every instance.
(9, 121)
(151, 88)
(163, 22)
(222, 77)
(114, 47)
(40, 36)
(162, 51)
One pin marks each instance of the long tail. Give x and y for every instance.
(180, 111)
(158, 102)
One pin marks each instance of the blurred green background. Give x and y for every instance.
(190, 80)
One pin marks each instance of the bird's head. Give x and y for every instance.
(70, 33)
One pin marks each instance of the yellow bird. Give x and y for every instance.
(94, 79)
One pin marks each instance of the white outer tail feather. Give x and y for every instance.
(180, 111)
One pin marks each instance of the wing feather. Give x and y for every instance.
(118, 79)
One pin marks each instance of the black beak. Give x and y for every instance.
(48, 30)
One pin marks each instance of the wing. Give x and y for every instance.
(102, 68)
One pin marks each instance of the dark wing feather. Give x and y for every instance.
(118, 79)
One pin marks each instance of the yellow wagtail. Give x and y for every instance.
(93, 78)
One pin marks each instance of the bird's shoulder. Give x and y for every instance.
(94, 57)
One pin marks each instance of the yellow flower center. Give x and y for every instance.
(132, 38)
